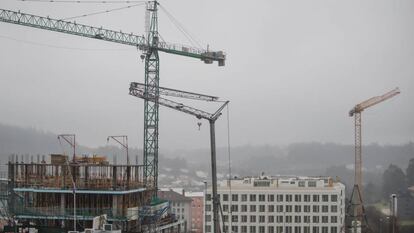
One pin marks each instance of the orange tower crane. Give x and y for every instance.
(356, 197)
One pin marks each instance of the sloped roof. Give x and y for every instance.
(173, 196)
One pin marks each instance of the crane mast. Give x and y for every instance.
(151, 113)
(150, 45)
(357, 195)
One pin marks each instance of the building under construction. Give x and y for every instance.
(54, 194)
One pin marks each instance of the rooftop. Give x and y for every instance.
(173, 196)
(281, 182)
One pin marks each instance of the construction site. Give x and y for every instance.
(88, 193)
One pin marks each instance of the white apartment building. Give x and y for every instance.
(279, 205)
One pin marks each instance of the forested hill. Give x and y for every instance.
(299, 158)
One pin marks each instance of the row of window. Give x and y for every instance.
(278, 229)
(278, 197)
(278, 208)
(277, 219)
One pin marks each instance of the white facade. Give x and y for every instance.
(279, 205)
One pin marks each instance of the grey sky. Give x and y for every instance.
(294, 70)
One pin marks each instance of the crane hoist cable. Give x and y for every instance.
(229, 156)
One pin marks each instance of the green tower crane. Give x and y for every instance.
(149, 45)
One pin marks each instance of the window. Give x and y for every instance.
(325, 209)
(235, 197)
(334, 219)
(288, 229)
(306, 219)
(288, 219)
(297, 229)
(271, 229)
(298, 208)
(262, 197)
(234, 229)
(334, 229)
(315, 209)
(234, 218)
(315, 219)
(324, 219)
(306, 229)
(225, 208)
(298, 197)
(252, 229)
(270, 197)
(225, 218)
(234, 208)
(271, 208)
(208, 197)
(270, 218)
(306, 198)
(244, 197)
(301, 183)
(262, 208)
(325, 198)
(279, 229)
(208, 228)
(252, 218)
(225, 197)
(279, 208)
(306, 208)
(243, 229)
(279, 218)
(252, 197)
(324, 229)
(262, 219)
(297, 219)
(288, 208)
(243, 218)
(279, 197)
(208, 207)
(334, 198)
(261, 229)
(315, 230)
(288, 197)
(334, 208)
(252, 208)
(208, 218)
(315, 198)
(243, 208)
(311, 183)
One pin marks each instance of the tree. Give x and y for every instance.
(410, 173)
(393, 181)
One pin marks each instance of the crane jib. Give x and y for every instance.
(100, 33)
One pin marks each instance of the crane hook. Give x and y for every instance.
(199, 125)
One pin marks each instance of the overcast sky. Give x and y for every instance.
(294, 70)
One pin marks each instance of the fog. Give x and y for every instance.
(294, 69)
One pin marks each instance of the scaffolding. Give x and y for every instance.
(42, 193)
